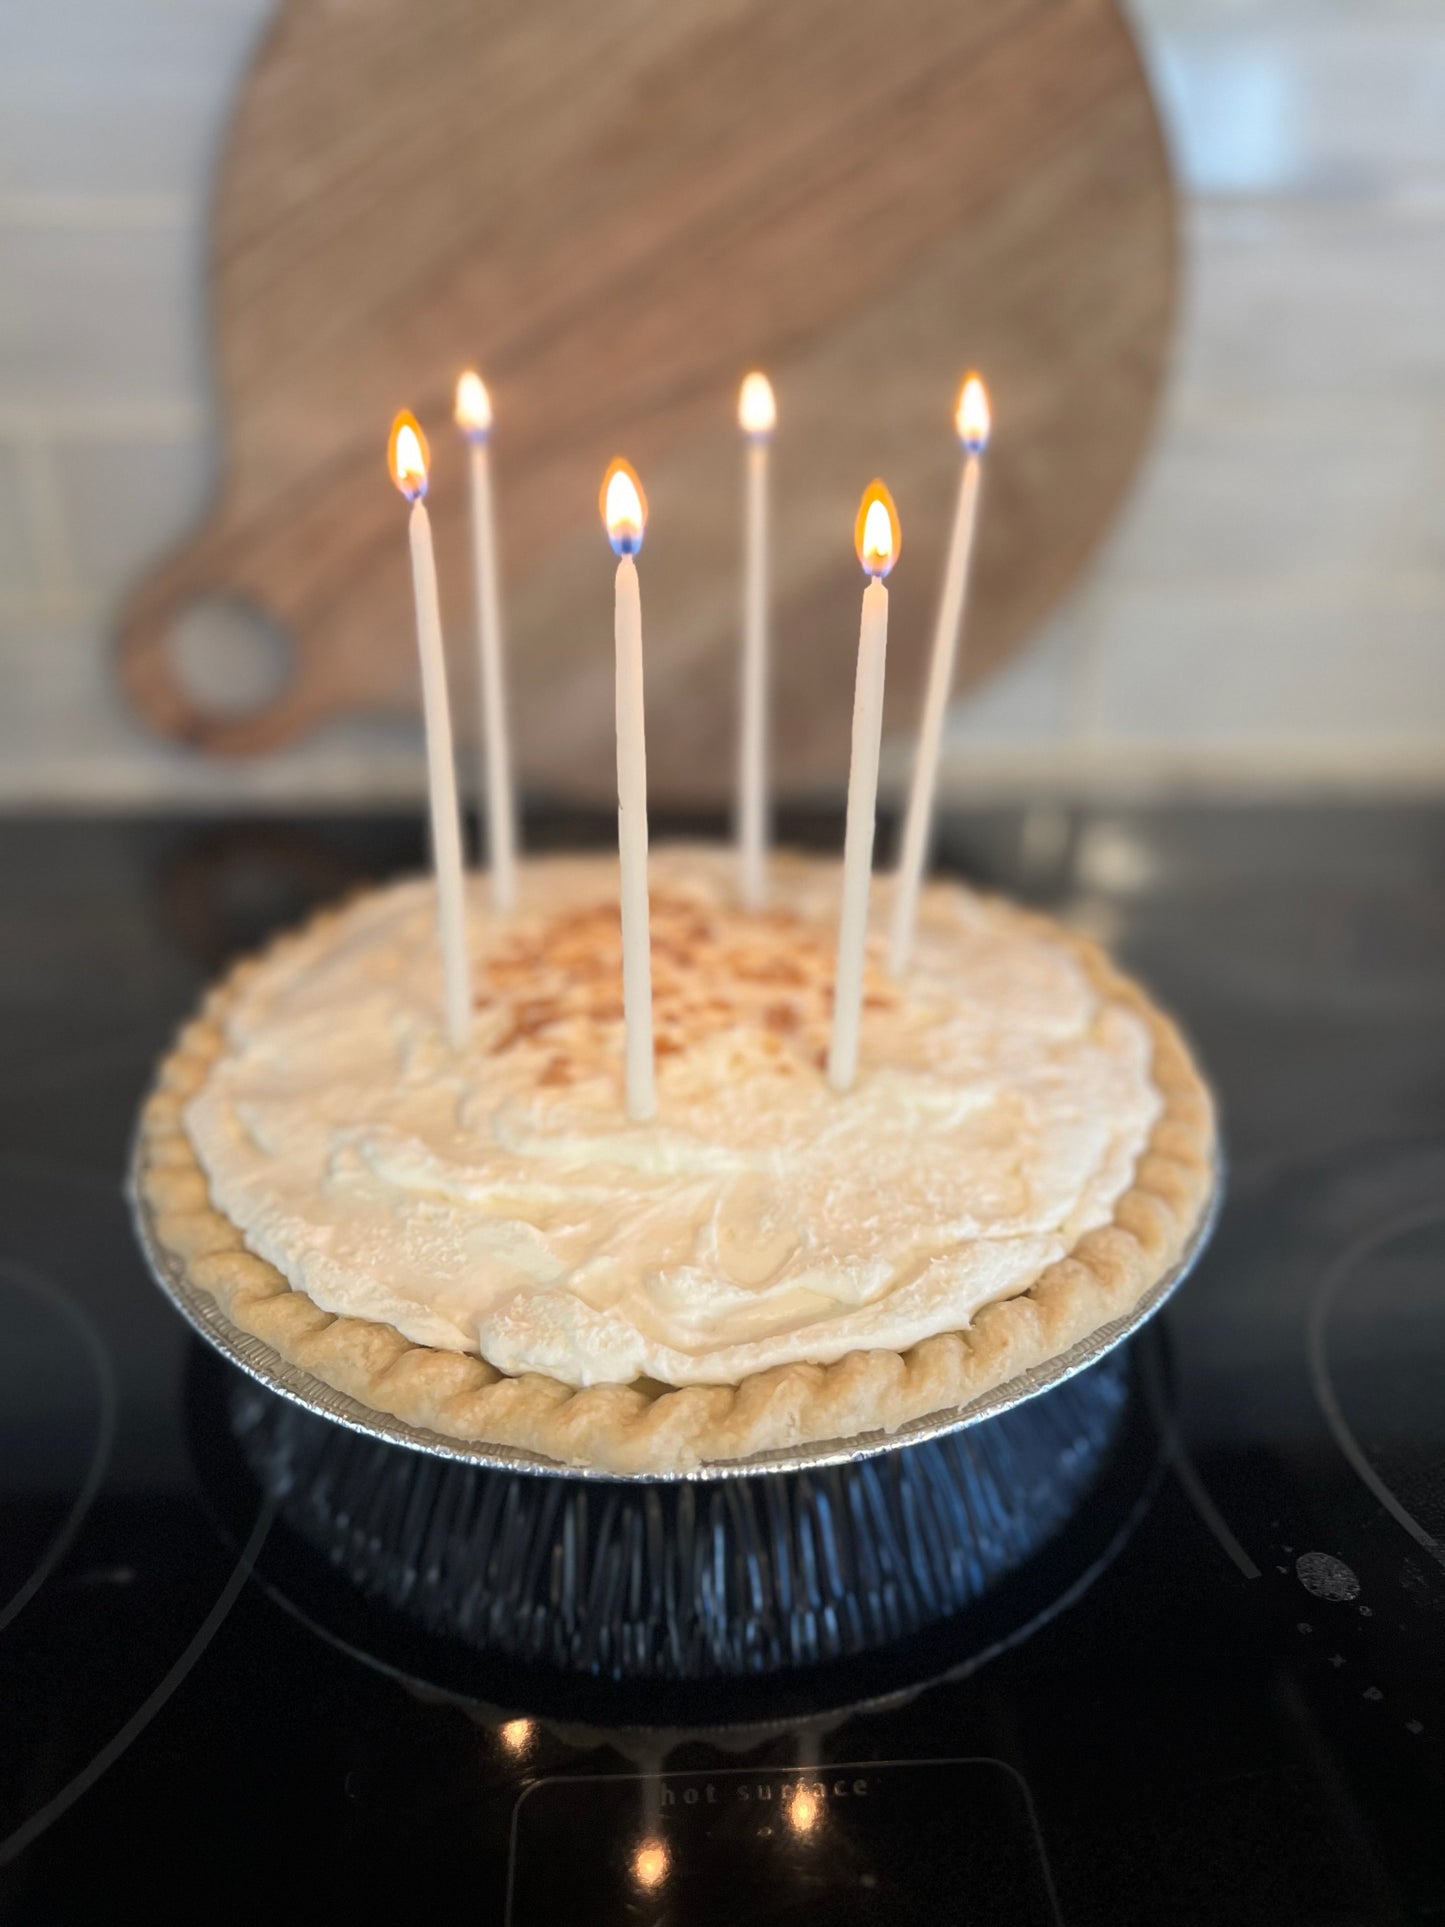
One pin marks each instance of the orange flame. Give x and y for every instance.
(624, 506)
(972, 418)
(876, 534)
(473, 405)
(407, 456)
(803, 1811)
(649, 1864)
(757, 408)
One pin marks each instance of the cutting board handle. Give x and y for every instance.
(200, 571)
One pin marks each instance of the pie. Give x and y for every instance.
(481, 1242)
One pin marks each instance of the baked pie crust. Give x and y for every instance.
(649, 1429)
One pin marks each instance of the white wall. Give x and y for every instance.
(1272, 608)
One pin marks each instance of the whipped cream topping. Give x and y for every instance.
(498, 1200)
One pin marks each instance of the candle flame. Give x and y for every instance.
(972, 419)
(649, 1864)
(876, 534)
(516, 1735)
(624, 507)
(757, 409)
(803, 1813)
(407, 456)
(474, 405)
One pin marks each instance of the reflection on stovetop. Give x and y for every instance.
(1217, 1693)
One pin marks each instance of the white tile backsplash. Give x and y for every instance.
(119, 45)
(1027, 701)
(1259, 494)
(126, 500)
(1334, 306)
(1351, 666)
(1349, 104)
(118, 97)
(56, 685)
(58, 141)
(18, 575)
(95, 313)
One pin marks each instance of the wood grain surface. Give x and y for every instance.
(613, 211)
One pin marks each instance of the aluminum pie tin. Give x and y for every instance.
(260, 1362)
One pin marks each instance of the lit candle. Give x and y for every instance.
(474, 418)
(407, 463)
(878, 538)
(757, 417)
(624, 510)
(972, 423)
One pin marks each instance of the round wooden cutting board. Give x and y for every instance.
(614, 210)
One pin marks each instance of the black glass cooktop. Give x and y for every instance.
(1215, 1693)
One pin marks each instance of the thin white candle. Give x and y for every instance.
(878, 544)
(624, 510)
(474, 418)
(407, 462)
(757, 417)
(972, 423)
